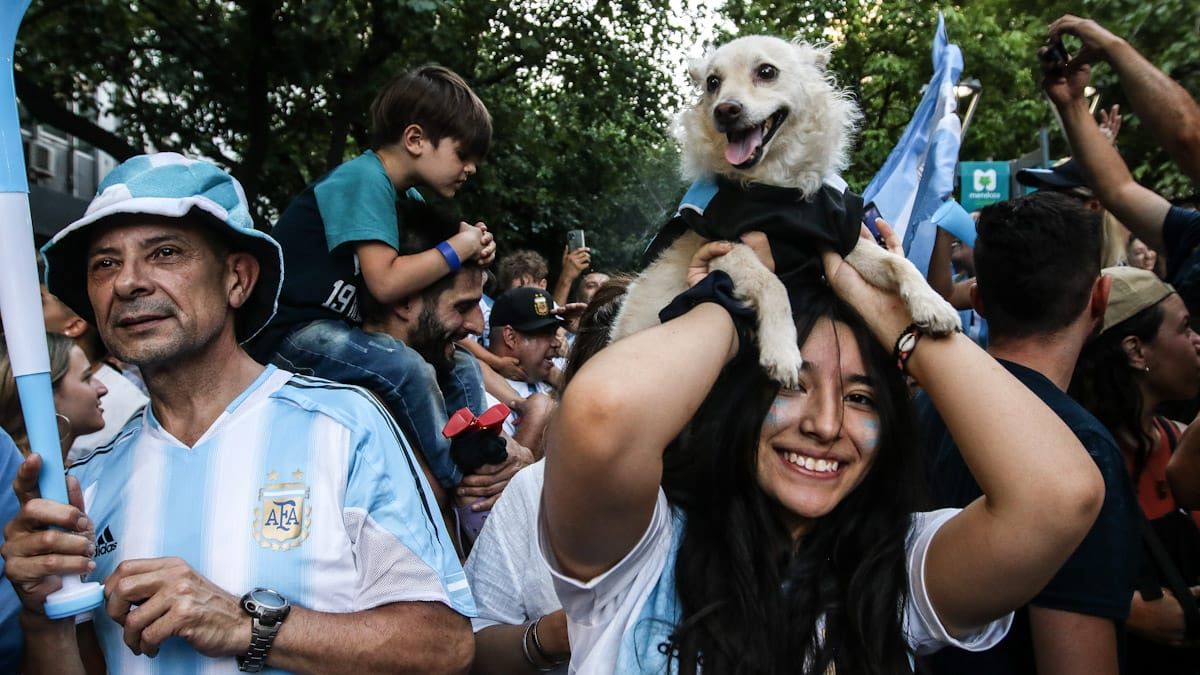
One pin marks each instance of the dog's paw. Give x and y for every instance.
(782, 362)
(933, 314)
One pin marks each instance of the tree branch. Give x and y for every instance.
(49, 110)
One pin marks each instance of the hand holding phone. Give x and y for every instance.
(576, 240)
(1053, 56)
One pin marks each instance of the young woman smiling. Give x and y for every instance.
(696, 517)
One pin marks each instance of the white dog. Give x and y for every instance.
(765, 142)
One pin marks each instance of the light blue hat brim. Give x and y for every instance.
(66, 274)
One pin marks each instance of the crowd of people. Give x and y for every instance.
(360, 443)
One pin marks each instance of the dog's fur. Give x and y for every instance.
(809, 126)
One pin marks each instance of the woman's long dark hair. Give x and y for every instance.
(1104, 382)
(753, 601)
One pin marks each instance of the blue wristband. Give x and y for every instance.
(451, 257)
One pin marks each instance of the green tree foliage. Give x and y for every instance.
(883, 55)
(581, 92)
(278, 91)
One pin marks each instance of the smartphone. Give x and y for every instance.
(575, 240)
(1054, 56)
(869, 216)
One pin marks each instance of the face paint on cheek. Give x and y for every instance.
(775, 413)
(871, 434)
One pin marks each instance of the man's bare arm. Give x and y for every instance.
(1067, 643)
(1140, 209)
(1163, 106)
(417, 637)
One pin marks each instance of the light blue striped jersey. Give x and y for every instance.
(301, 485)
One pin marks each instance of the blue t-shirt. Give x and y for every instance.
(1181, 237)
(11, 640)
(1098, 579)
(355, 202)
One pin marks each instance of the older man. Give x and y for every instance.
(237, 479)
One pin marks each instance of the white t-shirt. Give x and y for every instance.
(639, 592)
(508, 575)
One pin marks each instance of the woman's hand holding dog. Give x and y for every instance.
(884, 311)
(699, 267)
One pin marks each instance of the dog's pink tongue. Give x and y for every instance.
(738, 152)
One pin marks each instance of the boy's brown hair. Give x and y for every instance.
(521, 263)
(440, 102)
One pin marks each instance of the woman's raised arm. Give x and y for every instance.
(616, 417)
(1042, 491)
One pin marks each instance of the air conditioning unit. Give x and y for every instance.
(41, 159)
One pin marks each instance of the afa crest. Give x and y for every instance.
(283, 519)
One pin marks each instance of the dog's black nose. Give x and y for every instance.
(727, 112)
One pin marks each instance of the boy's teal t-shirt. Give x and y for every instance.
(353, 203)
(357, 202)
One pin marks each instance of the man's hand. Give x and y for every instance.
(1160, 620)
(570, 311)
(509, 367)
(1067, 87)
(575, 262)
(1110, 123)
(35, 556)
(1095, 38)
(172, 599)
(490, 480)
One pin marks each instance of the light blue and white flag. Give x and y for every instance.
(919, 173)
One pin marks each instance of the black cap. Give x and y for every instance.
(528, 309)
(1063, 176)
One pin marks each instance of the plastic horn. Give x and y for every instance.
(21, 307)
(954, 219)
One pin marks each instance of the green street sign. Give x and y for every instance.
(982, 183)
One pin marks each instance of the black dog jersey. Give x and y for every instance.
(797, 228)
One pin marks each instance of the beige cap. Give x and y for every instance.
(1133, 290)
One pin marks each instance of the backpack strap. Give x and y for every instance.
(1170, 430)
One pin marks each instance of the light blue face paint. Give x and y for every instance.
(872, 434)
(774, 413)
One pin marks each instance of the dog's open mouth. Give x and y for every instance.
(746, 145)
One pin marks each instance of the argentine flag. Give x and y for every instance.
(919, 173)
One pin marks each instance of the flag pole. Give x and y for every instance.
(21, 308)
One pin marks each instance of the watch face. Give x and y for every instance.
(267, 599)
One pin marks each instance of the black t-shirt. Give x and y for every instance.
(1181, 238)
(1098, 579)
(355, 202)
(798, 228)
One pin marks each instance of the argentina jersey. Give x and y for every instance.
(302, 486)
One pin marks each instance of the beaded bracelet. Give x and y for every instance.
(905, 344)
(450, 255)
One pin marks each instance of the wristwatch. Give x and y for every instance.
(267, 610)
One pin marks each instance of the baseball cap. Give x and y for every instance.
(528, 309)
(1132, 291)
(1062, 176)
(171, 185)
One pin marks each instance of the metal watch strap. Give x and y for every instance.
(262, 637)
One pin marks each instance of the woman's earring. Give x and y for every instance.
(65, 420)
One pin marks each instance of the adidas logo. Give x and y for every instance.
(105, 543)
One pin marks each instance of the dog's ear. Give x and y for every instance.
(818, 54)
(698, 67)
